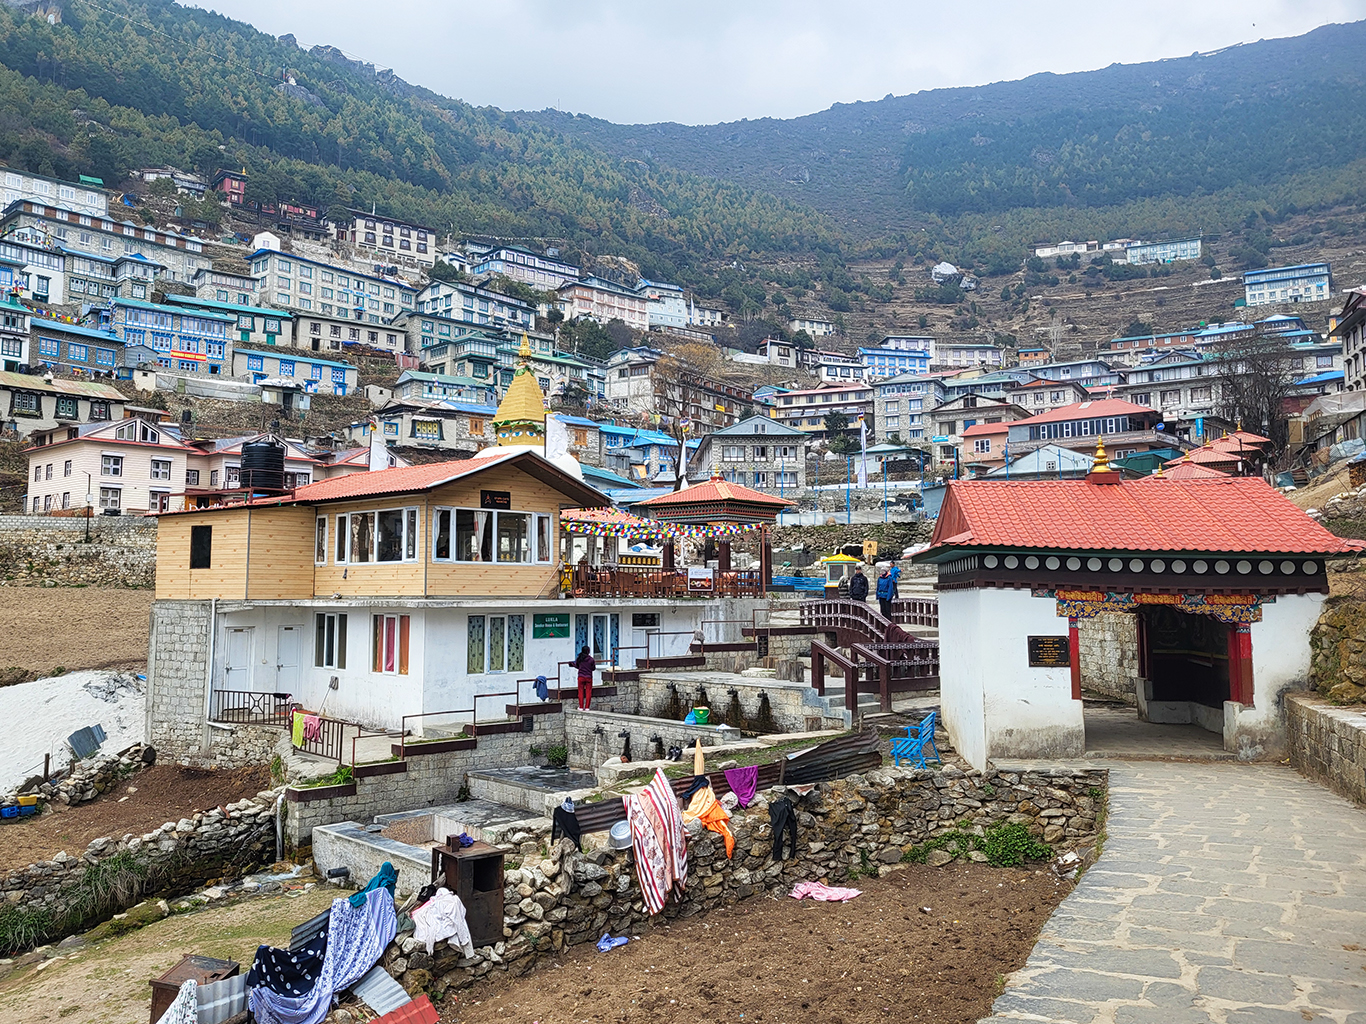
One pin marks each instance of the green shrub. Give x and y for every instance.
(1009, 845)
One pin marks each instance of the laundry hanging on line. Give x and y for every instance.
(705, 808)
(744, 783)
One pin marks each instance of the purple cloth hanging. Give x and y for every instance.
(744, 783)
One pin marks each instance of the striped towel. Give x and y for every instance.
(660, 845)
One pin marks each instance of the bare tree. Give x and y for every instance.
(1255, 372)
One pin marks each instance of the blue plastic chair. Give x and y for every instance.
(912, 745)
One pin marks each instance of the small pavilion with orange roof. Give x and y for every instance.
(1211, 586)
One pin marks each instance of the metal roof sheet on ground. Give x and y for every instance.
(220, 1000)
(1235, 514)
(306, 932)
(85, 742)
(379, 991)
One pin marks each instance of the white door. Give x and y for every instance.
(601, 639)
(287, 658)
(237, 665)
(639, 639)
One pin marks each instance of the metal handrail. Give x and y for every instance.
(471, 711)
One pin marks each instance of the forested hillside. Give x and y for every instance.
(1270, 122)
(124, 84)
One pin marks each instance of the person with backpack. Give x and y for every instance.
(886, 589)
(585, 664)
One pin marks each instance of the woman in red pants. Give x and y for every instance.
(585, 665)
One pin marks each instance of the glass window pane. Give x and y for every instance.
(362, 536)
(516, 643)
(496, 626)
(377, 646)
(389, 546)
(542, 538)
(341, 641)
(441, 529)
(474, 656)
(319, 650)
(320, 546)
(390, 642)
(341, 539)
(410, 533)
(514, 537)
(403, 645)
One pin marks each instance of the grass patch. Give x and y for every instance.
(1005, 845)
(340, 777)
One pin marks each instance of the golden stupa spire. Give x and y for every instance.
(520, 418)
(1102, 464)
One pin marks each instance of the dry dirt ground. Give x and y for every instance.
(42, 628)
(878, 958)
(107, 983)
(139, 804)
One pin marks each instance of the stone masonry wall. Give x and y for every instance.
(177, 680)
(1327, 744)
(1109, 654)
(51, 550)
(56, 897)
(791, 708)
(862, 825)
(593, 736)
(423, 780)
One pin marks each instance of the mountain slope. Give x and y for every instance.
(121, 84)
(1246, 116)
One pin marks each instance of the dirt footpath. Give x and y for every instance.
(139, 804)
(43, 628)
(878, 958)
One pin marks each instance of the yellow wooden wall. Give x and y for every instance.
(226, 576)
(282, 550)
(281, 553)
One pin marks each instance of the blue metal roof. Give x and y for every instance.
(41, 324)
(288, 356)
(1321, 378)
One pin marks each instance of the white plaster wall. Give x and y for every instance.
(1280, 662)
(1028, 712)
(961, 630)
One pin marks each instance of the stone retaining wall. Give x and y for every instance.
(1109, 654)
(791, 708)
(593, 736)
(863, 825)
(425, 779)
(1327, 743)
(51, 551)
(57, 897)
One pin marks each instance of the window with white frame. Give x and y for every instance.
(111, 497)
(161, 469)
(982, 445)
(329, 642)
(389, 535)
(481, 535)
(389, 644)
(495, 643)
(111, 465)
(733, 453)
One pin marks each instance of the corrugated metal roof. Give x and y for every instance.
(85, 742)
(379, 991)
(419, 1011)
(60, 386)
(220, 1000)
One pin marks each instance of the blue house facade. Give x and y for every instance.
(317, 376)
(881, 363)
(188, 341)
(1306, 282)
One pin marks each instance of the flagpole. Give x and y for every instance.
(848, 497)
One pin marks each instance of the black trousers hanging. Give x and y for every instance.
(783, 817)
(565, 823)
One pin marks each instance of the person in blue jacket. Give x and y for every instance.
(886, 589)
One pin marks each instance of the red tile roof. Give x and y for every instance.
(1184, 469)
(1207, 456)
(978, 429)
(398, 481)
(1096, 407)
(1232, 514)
(715, 490)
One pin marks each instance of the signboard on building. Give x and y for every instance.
(701, 579)
(549, 625)
(495, 499)
(1049, 652)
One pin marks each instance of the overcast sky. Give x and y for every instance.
(722, 60)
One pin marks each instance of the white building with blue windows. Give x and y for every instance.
(472, 304)
(316, 376)
(1305, 282)
(883, 362)
(291, 282)
(184, 340)
(1164, 252)
(521, 264)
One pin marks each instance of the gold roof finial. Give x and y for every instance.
(525, 351)
(1102, 464)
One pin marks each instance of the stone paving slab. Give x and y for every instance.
(1224, 894)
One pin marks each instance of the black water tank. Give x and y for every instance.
(263, 465)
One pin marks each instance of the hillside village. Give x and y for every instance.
(403, 622)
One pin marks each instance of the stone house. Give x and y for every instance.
(31, 403)
(757, 452)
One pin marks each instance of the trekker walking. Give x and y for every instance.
(585, 664)
(886, 588)
(858, 586)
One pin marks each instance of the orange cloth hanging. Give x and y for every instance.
(704, 807)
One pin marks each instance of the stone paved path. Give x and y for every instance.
(1225, 894)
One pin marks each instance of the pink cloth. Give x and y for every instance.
(313, 728)
(817, 891)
